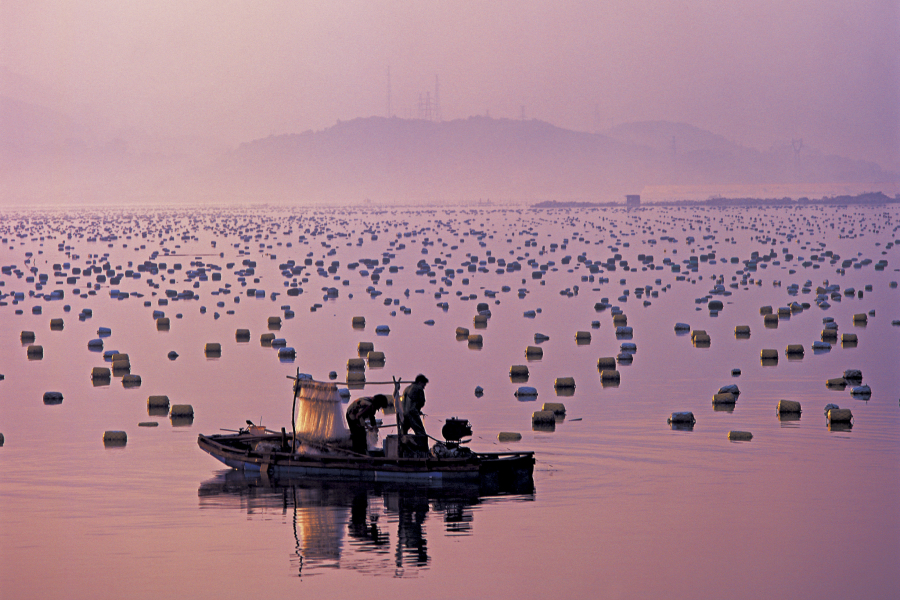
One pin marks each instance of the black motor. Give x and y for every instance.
(454, 430)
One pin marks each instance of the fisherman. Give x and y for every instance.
(409, 407)
(360, 412)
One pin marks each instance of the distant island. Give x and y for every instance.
(870, 198)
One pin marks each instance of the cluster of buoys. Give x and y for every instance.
(170, 280)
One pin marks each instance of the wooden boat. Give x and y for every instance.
(316, 447)
(271, 453)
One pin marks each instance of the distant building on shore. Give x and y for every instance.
(632, 200)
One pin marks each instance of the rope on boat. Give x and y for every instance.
(355, 383)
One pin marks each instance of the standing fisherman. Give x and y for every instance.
(409, 407)
(360, 412)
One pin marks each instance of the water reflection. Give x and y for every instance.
(371, 527)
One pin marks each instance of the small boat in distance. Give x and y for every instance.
(318, 447)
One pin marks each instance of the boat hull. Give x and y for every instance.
(238, 451)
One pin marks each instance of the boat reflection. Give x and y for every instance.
(372, 527)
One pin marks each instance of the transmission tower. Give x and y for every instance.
(389, 107)
(437, 100)
(797, 145)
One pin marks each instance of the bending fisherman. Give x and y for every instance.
(361, 412)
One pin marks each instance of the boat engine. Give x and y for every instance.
(454, 430)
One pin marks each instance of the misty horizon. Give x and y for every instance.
(168, 81)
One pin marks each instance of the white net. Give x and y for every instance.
(319, 415)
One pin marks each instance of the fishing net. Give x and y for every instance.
(319, 416)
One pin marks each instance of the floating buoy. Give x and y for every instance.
(356, 376)
(213, 348)
(96, 343)
(35, 351)
(681, 418)
(462, 332)
(731, 388)
(557, 408)
(742, 330)
(242, 335)
(131, 380)
(503, 436)
(480, 320)
(274, 321)
(788, 406)
(375, 357)
(27, 336)
(162, 323)
(534, 352)
(287, 352)
(172, 355)
(770, 319)
(365, 347)
(584, 335)
(543, 417)
(724, 398)
(382, 329)
(53, 397)
(839, 415)
(794, 350)
(836, 382)
(358, 321)
(848, 338)
(158, 402)
(768, 354)
(356, 364)
(740, 436)
(148, 424)
(682, 327)
(115, 438)
(860, 318)
(564, 382)
(861, 390)
(526, 392)
(606, 362)
(181, 410)
(609, 375)
(475, 338)
(853, 374)
(56, 324)
(100, 373)
(700, 339)
(518, 371)
(765, 310)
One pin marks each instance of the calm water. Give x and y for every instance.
(623, 506)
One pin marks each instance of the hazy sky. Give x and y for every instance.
(757, 71)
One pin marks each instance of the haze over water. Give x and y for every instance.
(623, 504)
(223, 163)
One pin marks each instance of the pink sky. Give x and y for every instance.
(759, 72)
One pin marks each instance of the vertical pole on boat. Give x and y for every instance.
(293, 413)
